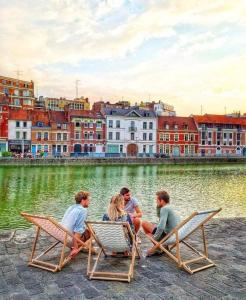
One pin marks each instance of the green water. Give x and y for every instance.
(50, 190)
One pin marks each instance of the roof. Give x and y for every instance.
(19, 114)
(85, 114)
(128, 111)
(40, 115)
(57, 116)
(220, 119)
(184, 123)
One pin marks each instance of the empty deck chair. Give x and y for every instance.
(59, 233)
(112, 237)
(178, 236)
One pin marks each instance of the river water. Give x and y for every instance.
(50, 190)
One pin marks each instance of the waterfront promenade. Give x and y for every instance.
(155, 277)
(121, 161)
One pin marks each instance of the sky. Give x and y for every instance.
(188, 53)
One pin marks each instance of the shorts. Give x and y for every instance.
(162, 235)
(85, 235)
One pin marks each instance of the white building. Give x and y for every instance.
(19, 135)
(130, 132)
(164, 109)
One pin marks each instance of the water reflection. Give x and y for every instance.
(49, 190)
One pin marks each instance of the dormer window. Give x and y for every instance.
(185, 126)
(166, 126)
(176, 126)
(40, 124)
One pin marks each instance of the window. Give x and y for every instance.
(24, 124)
(161, 137)
(24, 135)
(77, 124)
(39, 148)
(209, 143)
(166, 137)
(132, 136)
(64, 126)
(110, 135)
(58, 137)
(121, 148)
(58, 125)
(150, 136)
(17, 135)
(46, 148)
(64, 136)
(117, 123)
(117, 135)
(192, 137)
(144, 148)
(77, 135)
(98, 125)
(167, 126)
(144, 125)
(85, 125)
(86, 136)
(150, 125)
(161, 148)
(39, 135)
(186, 137)
(144, 136)
(175, 126)
(91, 135)
(186, 149)
(209, 134)
(91, 124)
(203, 142)
(99, 135)
(203, 135)
(46, 136)
(39, 124)
(64, 148)
(110, 123)
(17, 124)
(230, 135)
(176, 137)
(225, 135)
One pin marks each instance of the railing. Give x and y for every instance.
(132, 128)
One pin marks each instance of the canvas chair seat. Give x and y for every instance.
(178, 236)
(112, 237)
(57, 232)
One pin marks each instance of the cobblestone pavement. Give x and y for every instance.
(155, 277)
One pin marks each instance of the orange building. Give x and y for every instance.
(19, 92)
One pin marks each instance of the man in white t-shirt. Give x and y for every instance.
(132, 208)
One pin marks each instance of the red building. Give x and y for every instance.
(221, 135)
(177, 136)
(4, 113)
(88, 132)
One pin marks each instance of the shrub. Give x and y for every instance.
(6, 154)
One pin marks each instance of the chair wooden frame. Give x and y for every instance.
(92, 272)
(67, 241)
(177, 256)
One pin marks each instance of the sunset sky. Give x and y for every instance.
(188, 53)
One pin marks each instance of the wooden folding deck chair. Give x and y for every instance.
(112, 237)
(59, 233)
(180, 233)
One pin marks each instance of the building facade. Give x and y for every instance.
(20, 92)
(177, 136)
(19, 131)
(60, 104)
(4, 114)
(221, 135)
(41, 133)
(88, 131)
(130, 132)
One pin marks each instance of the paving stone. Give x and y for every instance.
(35, 289)
(90, 293)
(20, 296)
(71, 291)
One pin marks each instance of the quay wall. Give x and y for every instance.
(119, 161)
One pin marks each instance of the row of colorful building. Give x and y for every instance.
(61, 127)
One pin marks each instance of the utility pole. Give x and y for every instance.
(76, 87)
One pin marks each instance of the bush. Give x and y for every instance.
(6, 154)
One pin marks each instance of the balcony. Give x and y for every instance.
(132, 129)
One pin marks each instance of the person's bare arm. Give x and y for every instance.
(138, 212)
